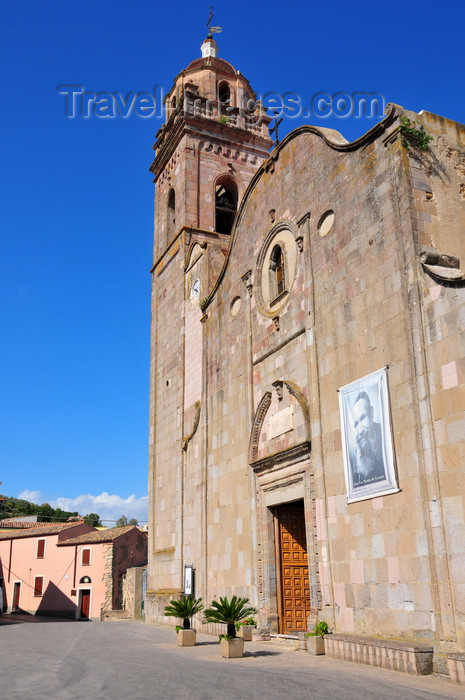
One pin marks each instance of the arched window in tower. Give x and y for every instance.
(171, 211)
(277, 271)
(224, 96)
(225, 205)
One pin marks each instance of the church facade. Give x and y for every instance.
(307, 425)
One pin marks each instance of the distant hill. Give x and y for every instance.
(16, 507)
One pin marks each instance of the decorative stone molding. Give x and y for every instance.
(300, 243)
(296, 453)
(247, 279)
(165, 550)
(303, 219)
(187, 438)
(259, 417)
(194, 254)
(441, 266)
(276, 322)
(291, 481)
(300, 398)
(279, 389)
(269, 301)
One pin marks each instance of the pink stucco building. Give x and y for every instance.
(70, 570)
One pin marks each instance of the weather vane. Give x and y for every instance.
(212, 30)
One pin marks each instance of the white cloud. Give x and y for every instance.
(110, 507)
(31, 496)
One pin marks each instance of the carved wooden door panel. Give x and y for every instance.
(295, 589)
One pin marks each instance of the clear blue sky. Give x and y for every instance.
(77, 200)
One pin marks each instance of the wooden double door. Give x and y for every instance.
(292, 561)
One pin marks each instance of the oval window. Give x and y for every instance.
(326, 223)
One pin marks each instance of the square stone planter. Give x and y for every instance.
(260, 635)
(186, 638)
(232, 648)
(316, 645)
(245, 632)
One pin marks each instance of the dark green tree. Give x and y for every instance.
(93, 519)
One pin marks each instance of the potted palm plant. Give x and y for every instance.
(229, 613)
(185, 608)
(245, 627)
(315, 639)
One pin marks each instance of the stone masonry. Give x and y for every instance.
(245, 378)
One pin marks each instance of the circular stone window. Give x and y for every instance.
(276, 267)
(235, 306)
(326, 223)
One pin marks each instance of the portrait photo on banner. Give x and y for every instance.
(367, 444)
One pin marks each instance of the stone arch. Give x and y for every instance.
(171, 211)
(225, 96)
(296, 449)
(276, 269)
(226, 199)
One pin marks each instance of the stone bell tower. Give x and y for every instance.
(214, 140)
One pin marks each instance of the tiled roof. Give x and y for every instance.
(209, 61)
(18, 524)
(41, 529)
(100, 536)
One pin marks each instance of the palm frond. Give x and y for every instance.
(228, 612)
(185, 607)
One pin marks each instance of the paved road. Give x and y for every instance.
(61, 660)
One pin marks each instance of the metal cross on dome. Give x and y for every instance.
(277, 122)
(212, 30)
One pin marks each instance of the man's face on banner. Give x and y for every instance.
(362, 414)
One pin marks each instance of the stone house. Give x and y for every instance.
(67, 570)
(307, 427)
(105, 556)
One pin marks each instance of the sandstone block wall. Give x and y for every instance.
(353, 220)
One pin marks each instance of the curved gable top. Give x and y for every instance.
(331, 138)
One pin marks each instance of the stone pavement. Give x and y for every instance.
(127, 660)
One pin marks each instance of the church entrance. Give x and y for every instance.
(292, 566)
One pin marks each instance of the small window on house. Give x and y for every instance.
(38, 585)
(85, 557)
(277, 272)
(173, 102)
(225, 207)
(171, 211)
(40, 549)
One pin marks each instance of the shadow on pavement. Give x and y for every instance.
(21, 618)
